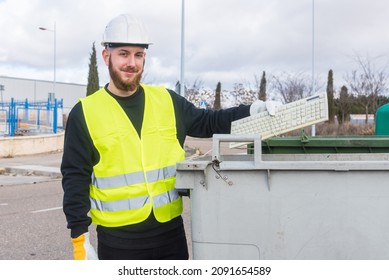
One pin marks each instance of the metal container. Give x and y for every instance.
(287, 206)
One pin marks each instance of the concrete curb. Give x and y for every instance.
(35, 170)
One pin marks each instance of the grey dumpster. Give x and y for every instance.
(287, 206)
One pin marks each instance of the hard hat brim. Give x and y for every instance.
(116, 45)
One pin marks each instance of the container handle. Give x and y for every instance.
(218, 138)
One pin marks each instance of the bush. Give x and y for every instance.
(330, 129)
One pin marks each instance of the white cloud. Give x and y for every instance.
(226, 40)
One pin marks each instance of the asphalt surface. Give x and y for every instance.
(33, 226)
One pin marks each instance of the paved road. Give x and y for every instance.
(33, 226)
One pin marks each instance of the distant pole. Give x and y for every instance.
(1, 91)
(313, 45)
(55, 57)
(313, 133)
(182, 85)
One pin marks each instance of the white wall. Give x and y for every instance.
(29, 145)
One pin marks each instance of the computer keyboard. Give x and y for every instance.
(287, 117)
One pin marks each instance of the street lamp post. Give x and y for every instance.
(55, 53)
(182, 83)
(313, 132)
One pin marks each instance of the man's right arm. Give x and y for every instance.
(76, 167)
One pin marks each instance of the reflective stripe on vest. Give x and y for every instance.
(133, 178)
(130, 179)
(134, 203)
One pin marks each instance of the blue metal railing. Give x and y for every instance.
(24, 117)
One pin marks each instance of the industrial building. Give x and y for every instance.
(40, 90)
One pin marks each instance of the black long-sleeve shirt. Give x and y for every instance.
(80, 155)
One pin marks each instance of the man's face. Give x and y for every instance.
(125, 65)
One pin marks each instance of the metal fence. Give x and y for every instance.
(29, 118)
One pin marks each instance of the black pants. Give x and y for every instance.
(175, 250)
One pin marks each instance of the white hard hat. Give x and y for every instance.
(125, 29)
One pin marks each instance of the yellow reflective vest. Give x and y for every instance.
(135, 175)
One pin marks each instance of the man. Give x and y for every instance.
(121, 147)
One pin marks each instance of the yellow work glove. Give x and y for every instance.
(82, 249)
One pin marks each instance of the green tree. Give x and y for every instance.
(368, 81)
(217, 103)
(330, 97)
(262, 88)
(344, 105)
(93, 76)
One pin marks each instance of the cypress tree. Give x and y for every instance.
(344, 105)
(217, 103)
(330, 97)
(262, 88)
(93, 76)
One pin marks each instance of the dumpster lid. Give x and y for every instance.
(325, 144)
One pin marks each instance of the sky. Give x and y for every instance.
(227, 41)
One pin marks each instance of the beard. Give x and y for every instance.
(121, 84)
